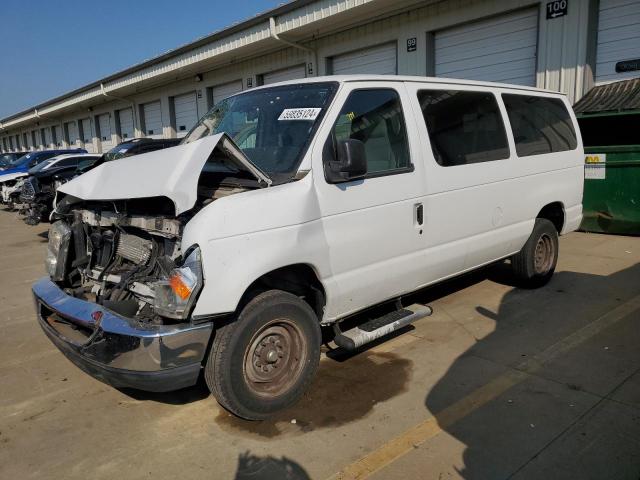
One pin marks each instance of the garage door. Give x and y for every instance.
(284, 75)
(125, 118)
(220, 92)
(104, 124)
(152, 119)
(55, 136)
(380, 60)
(45, 134)
(500, 49)
(185, 109)
(87, 135)
(72, 132)
(618, 38)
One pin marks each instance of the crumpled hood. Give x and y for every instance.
(12, 174)
(172, 173)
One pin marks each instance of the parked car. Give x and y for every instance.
(338, 195)
(39, 189)
(11, 178)
(137, 146)
(8, 158)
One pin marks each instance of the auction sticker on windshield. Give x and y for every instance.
(299, 114)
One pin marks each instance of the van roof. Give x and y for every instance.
(416, 79)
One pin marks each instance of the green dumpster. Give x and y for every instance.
(611, 202)
(609, 118)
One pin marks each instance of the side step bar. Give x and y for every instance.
(379, 327)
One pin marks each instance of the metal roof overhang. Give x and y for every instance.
(618, 98)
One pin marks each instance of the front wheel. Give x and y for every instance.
(533, 266)
(264, 361)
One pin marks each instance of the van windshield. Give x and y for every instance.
(272, 126)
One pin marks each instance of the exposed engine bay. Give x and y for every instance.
(127, 255)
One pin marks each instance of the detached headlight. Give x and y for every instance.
(57, 250)
(174, 296)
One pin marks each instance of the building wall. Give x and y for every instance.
(565, 56)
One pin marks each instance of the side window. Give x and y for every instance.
(464, 127)
(374, 117)
(68, 162)
(539, 124)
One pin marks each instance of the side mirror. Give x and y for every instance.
(347, 162)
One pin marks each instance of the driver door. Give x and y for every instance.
(373, 225)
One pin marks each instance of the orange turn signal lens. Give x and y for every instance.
(179, 287)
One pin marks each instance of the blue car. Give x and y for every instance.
(31, 159)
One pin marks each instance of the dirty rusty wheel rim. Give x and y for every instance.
(544, 255)
(274, 359)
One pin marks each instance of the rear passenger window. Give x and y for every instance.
(67, 162)
(464, 127)
(375, 118)
(539, 124)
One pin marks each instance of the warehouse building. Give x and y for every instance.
(563, 45)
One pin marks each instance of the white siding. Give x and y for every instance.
(152, 119)
(618, 38)
(87, 135)
(72, 131)
(285, 74)
(380, 60)
(186, 112)
(499, 49)
(220, 92)
(125, 117)
(104, 122)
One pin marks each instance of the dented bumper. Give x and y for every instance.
(117, 350)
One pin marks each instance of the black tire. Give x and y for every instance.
(242, 368)
(533, 266)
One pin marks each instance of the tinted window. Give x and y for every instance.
(539, 124)
(464, 127)
(375, 118)
(68, 162)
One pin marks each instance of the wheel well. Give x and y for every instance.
(299, 279)
(554, 212)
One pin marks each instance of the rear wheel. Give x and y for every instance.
(264, 361)
(534, 265)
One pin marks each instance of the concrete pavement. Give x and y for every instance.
(498, 383)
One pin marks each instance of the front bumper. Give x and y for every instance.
(117, 350)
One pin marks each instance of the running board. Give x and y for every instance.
(381, 326)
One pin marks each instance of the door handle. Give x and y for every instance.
(419, 215)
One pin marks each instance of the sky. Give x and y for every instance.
(50, 47)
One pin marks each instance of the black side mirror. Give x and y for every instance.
(348, 161)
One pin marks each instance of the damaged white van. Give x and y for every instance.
(296, 206)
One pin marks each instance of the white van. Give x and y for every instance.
(296, 206)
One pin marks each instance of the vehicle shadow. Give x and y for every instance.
(347, 386)
(500, 439)
(178, 397)
(253, 467)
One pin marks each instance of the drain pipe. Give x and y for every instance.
(131, 102)
(275, 36)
